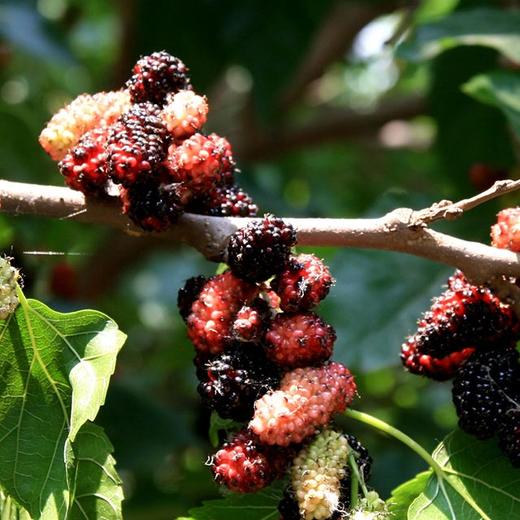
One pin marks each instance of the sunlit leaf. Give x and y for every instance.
(480, 483)
(493, 28)
(54, 372)
(405, 494)
(501, 89)
(97, 491)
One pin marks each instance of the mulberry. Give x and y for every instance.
(439, 369)
(85, 165)
(224, 201)
(155, 76)
(289, 508)
(234, 380)
(189, 293)
(251, 320)
(463, 317)
(509, 433)
(316, 475)
(137, 145)
(303, 284)
(9, 277)
(85, 113)
(306, 400)
(261, 249)
(184, 113)
(506, 232)
(245, 465)
(299, 340)
(213, 312)
(482, 390)
(200, 161)
(151, 205)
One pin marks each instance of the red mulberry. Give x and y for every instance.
(260, 249)
(189, 293)
(85, 165)
(200, 162)
(251, 321)
(506, 232)
(234, 380)
(151, 205)
(463, 317)
(299, 340)
(483, 389)
(440, 369)
(184, 113)
(303, 284)
(157, 75)
(85, 113)
(245, 465)
(137, 145)
(213, 312)
(306, 401)
(224, 202)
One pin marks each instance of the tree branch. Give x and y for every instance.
(395, 231)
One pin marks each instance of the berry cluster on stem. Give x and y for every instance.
(470, 334)
(145, 143)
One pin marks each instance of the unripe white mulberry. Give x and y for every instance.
(9, 277)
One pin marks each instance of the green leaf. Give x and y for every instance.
(500, 89)
(480, 483)
(54, 373)
(217, 424)
(253, 506)
(493, 28)
(93, 477)
(405, 494)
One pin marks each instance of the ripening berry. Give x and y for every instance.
(157, 75)
(85, 113)
(484, 390)
(137, 145)
(245, 465)
(306, 401)
(505, 234)
(213, 312)
(463, 318)
(299, 340)
(261, 249)
(251, 321)
(200, 162)
(184, 113)
(151, 205)
(188, 294)
(224, 201)
(232, 382)
(439, 369)
(85, 165)
(303, 283)
(316, 475)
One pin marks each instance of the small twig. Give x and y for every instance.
(446, 210)
(398, 230)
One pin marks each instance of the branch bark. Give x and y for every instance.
(395, 231)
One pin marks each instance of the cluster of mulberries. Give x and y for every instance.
(470, 335)
(146, 143)
(263, 355)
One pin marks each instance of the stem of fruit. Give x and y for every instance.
(354, 486)
(382, 426)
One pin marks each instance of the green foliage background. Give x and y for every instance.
(247, 58)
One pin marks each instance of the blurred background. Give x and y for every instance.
(329, 115)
